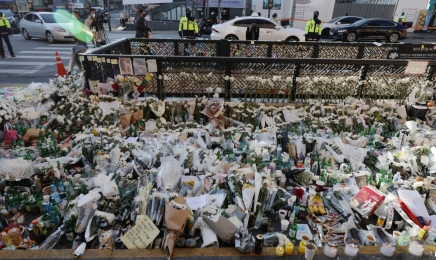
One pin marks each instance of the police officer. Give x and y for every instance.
(5, 27)
(188, 27)
(313, 28)
(402, 19)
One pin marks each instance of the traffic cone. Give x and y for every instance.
(60, 66)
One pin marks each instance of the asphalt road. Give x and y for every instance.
(35, 59)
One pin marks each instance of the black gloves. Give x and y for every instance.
(180, 34)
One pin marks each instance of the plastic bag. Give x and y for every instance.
(17, 168)
(169, 173)
(9, 134)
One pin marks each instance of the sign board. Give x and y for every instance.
(305, 11)
(410, 14)
(416, 55)
(22, 6)
(416, 67)
(227, 3)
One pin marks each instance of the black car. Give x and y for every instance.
(11, 18)
(370, 29)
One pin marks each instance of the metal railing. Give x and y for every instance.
(259, 49)
(270, 80)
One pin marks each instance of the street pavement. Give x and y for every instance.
(35, 59)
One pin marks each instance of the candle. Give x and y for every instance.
(310, 251)
(302, 246)
(351, 250)
(289, 248)
(387, 250)
(279, 251)
(416, 249)
(330, 251)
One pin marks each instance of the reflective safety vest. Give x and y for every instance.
(186, 25)
(402, 19)
(4, 21)
(312, 27)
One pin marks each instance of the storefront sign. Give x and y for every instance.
(22, 6)
(227, 3)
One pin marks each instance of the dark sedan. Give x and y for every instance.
(370, 29)
(11, 18)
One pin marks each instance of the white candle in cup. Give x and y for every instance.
(387, 250)
(330, 251)
(284, 224)
(351, 250)
(310, 251)
(396, 235)
(416, 249)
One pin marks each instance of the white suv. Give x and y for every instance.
(235, 29)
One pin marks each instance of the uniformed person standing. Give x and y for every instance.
(188, 27)
(402, 19)
(313, 28)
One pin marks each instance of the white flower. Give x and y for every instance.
(216, 95)
(7, 117)
(209, 75)
(218, 90)
(2, 112)
(226, 78)
(160, 77)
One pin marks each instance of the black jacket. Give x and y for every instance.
(142, 28)
(252, 33)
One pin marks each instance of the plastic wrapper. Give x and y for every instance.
(353, 236)
(316, 205)
(17, 168)
(169, 173)
(382, 236)
(52, 240)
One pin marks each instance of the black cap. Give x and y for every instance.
(188, 10)
(316, 13)
(275, 15)
(76, 12)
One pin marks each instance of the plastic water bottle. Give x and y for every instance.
(404, 238)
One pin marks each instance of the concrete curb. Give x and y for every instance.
(365, 253)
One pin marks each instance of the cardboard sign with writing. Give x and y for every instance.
(141, 235)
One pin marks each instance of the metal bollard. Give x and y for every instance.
(109, 22)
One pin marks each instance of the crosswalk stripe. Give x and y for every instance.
(41, 52)
(29, 63)
(10, 71)
(40, 57)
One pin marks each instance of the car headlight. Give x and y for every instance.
(59, 29)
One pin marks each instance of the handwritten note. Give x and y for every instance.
(150, 125)
(196, 202)
(109, 105)
(416, 67)
(141, 235)
(152, 66)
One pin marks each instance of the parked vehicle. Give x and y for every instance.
(236, 28)
(205, 26)
(11, 18)
(370, 29)
(44, 25)
(342, 20)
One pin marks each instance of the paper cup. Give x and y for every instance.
(396, 235)
(310, 251)
(370, 240)
(284, 224)
(282, 214)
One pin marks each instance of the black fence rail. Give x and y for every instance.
(259, 49)
(270, 80)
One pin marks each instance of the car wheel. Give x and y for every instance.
(352, 37)
(393, 38)
(325, 33)
(292, 39)
(232, 37)
(26, 34)
(50, 37)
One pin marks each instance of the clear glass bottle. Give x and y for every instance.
(431, 236)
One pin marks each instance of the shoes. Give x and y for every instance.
(12, 55)
(3, 56)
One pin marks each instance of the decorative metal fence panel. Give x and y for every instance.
(270, 80)
(258, 49)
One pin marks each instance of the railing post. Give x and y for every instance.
(223, 48)
(176, 48)
(361, 52)
(269, 51)
(407, 47)
(87, 68)
(227, 87)
(358, 92)
(160, 81)
(315, 53)
(295, 75)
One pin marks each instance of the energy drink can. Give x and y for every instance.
(258, 246)
(381, 221)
